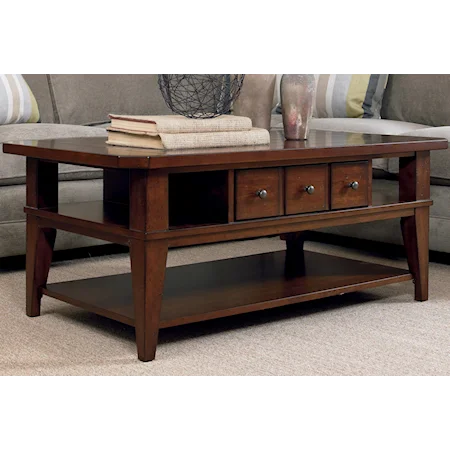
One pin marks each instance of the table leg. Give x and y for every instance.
(415, 230)
(42, 192)
(414, 184)
(148, 267)
(40, 243)
(149, 206)
(295, 255)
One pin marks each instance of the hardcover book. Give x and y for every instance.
(154, 125)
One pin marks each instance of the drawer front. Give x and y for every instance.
(306, 189)
(350, 184)
(258, 193)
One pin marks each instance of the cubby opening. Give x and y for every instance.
(198, 198)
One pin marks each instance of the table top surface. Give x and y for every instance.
(320, 145)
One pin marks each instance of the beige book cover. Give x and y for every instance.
(154, 125)
(171, 141)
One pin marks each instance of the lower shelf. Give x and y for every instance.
(223, 288)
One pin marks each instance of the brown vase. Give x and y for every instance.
(256, 99)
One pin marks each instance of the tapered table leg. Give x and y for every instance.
(415, 230)
(40, 243)
(148, 267)
(414, 184)
(149, 203)
(42, 192)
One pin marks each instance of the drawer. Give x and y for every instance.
(258, 193)
(306, 189)
(350, 184)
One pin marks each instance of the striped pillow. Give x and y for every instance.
(17, 102)
(355, 96)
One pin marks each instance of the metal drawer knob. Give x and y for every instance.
(262, 193)
(354, 185)
(310, 189)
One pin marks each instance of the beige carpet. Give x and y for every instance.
(377, 332)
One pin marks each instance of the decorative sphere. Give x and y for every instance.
(200, 96)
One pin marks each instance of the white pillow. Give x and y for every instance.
(17, 102)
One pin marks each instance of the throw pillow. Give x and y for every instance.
(354, 96)
(17, 102)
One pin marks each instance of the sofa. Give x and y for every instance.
(78, 106)
(413, 105)
(69, 106)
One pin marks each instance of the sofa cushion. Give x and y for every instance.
(40, 88)
(17, 102)
(12, 167)
(88, 99)
(418, 98)
(440, 160)
(12, 198)
(12, 217)
(370, 126)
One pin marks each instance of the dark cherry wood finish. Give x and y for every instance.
(40, 243)
(299, 197)
(320, 147)
(414, 184)
(149, 211)
(343, 175)
(148, 268)
(252, 283)
(41, 192)
(249, 205)
(154, 200)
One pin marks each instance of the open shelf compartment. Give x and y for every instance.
(199, 198)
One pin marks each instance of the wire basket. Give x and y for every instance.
(200, 96)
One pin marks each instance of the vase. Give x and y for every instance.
(256, 99)
(297, 99)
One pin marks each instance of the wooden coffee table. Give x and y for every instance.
(154, 200)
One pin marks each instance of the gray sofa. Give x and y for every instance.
(78, 105)
(70, 106)
(413, 105)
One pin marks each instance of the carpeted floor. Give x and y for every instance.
(382, 331)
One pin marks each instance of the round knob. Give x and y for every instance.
(262, 193)
(310, 189)
(354, 185)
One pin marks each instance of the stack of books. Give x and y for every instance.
(178, 132)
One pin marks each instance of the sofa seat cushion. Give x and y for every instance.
(13, 198)
(12, 217)
(13, 168)
(350, 125)
(440, 160)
